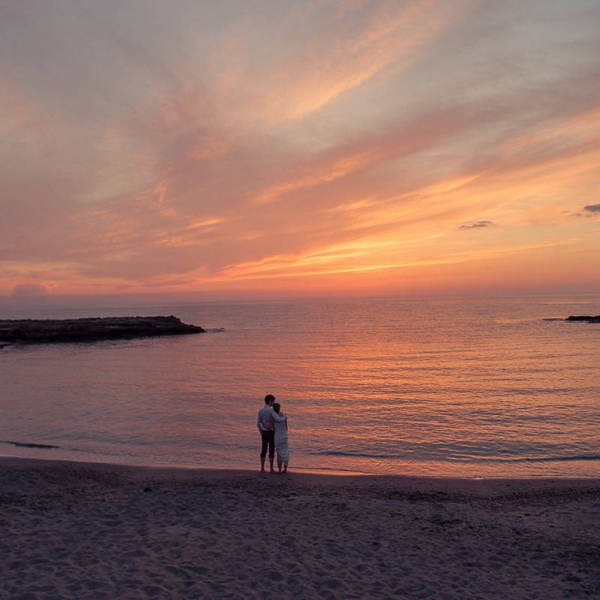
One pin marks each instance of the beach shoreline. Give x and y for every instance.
(188, 471)
(95, 530)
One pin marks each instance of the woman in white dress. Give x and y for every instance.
(282, 446)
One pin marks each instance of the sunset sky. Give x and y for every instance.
(188, 148)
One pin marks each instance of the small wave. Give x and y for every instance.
(524, 459)
(30, 445)
(474, 459)
(350, 454)
(559, 458)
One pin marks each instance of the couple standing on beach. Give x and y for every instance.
(273, 427)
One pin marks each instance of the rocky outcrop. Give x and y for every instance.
(29, 331)
(585, 319)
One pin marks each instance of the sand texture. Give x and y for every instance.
(70, 530)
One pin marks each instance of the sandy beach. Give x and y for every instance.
(75, 530)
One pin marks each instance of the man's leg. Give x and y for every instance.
(263, 452)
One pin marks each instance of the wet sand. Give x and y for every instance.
(77, 530)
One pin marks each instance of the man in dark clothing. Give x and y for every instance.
(267, 432)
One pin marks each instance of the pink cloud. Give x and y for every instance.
(32, 290)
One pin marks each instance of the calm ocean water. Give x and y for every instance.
(459, 387)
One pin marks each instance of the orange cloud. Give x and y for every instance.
(32, 290)
(393, 35)
(348, 48)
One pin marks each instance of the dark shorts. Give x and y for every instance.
(268, 441)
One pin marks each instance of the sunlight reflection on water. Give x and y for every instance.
(437, 387)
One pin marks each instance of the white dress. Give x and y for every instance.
(281, 438)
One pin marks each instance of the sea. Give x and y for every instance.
(451, 387)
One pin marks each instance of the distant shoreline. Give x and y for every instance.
(93, 329)
(584, 318)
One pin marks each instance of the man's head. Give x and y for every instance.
(269, 399)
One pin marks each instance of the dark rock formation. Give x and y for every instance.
(585, 319)
(29, 331)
